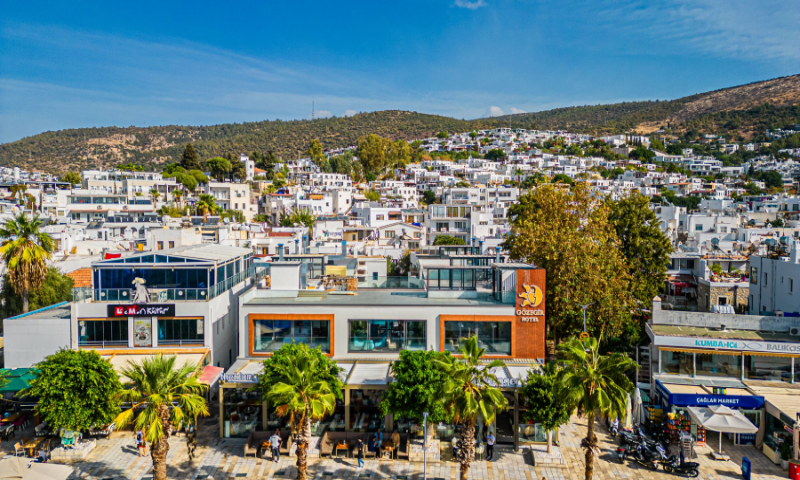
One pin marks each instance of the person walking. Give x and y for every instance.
(275, 443)
(360, 452)
(490, 446)
(140, 443)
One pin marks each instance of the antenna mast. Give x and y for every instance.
(312, 110)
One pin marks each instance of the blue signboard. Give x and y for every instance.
(746, 402)
(746, 468)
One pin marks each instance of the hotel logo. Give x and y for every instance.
(532, 296)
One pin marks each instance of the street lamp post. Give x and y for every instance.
(584, 307)
(425, 446)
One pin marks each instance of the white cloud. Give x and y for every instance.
(323, 114)
(494, 111)
(517, 110)
(349, 113)
(472, 5)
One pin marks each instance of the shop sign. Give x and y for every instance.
(160, 310)
(531, 298)
(725, 344)
(746, 402)
(239, 378)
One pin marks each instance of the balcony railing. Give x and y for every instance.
(158, 295)
(392, 282)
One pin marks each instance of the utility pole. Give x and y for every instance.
(584, 307)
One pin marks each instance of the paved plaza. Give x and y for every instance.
(117, 459)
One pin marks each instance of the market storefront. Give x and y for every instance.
(676, 398)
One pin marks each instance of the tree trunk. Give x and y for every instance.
(466, 449)
(25, 305)
(549, 440)
(589, 443)
(159, 449)
(303, 438)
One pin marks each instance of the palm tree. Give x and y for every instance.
(19, 190)
(154, 194)
(469, 392)
(25, 250)
(302, 396)
(592, 382)
(206, 205)
(169, 398)
(177, 194)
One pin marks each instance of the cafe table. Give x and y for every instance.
(11, 418)
(30, 445)
(342, 445)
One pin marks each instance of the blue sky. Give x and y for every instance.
(82, 64)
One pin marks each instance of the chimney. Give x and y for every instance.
(280, 252)
(344, 248)
(296, 246)
(497, 254)
(480, 244)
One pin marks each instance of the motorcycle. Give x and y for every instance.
(641, 454)
(672, 464)
(614, 430)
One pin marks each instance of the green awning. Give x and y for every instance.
(18, 379)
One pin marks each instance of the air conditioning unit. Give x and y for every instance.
(795, 331)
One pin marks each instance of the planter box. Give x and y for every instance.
(72, 455)
(771, 454)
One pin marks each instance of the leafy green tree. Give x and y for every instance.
(219, 168)
(371, 152)
(752, 189)
(266, 162)
(568, 233)
(642, 153)
(260, 218)
(417, 387)
(73, 178)
(162, 398)
(130, 167)
(561, 178)
(233, 215)
(172, 169)
(315, 152)
(56, 288)
(592, 383)
(772, 179)
(429, 197)
(342, 164)
(75, 389)
(656, 144)
(496, 154)
(448, 240)
(25, 250)
(468, 392)
(442, 135)
(674, 149)
(301, 391)
(373, 196)
(188, 181)
(299, 216)
(198, 175)
(190, 160)
(645, 247)
(398, 154)
(543, 406)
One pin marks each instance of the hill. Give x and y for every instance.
(739, 112)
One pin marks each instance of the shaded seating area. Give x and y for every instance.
(257, 443)
(329, 441)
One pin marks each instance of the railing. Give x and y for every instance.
(158, 295)
(102, 343)
(198, 341)
(392, 282)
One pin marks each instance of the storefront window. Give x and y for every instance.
(386, 335)
(768, 368)
(495, 337)
(270, 335)
(177, 331)
(676, 363)
(241, 412)
(103, 332)
(711, 365)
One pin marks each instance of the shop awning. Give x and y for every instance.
(784, 407)
(369, 375)
(770, 354)
(210, 375)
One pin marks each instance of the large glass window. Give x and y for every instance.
(270, 335)
(452, 278)
(777, 369)
(711, 365)
(177, 331)
(386, 335)
(103, 332)
(495, 337)
(677, 363)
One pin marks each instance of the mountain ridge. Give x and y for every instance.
(738, 111)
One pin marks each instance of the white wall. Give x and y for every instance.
(29, 340)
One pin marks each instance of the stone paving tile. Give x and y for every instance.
(117, 459)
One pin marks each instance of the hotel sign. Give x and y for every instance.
(160, 310)
(530, 313)
(239, 378)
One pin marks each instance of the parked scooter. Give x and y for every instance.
(614, 430)
(641, 454)
(672, 464)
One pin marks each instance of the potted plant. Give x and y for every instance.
(786, 454)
